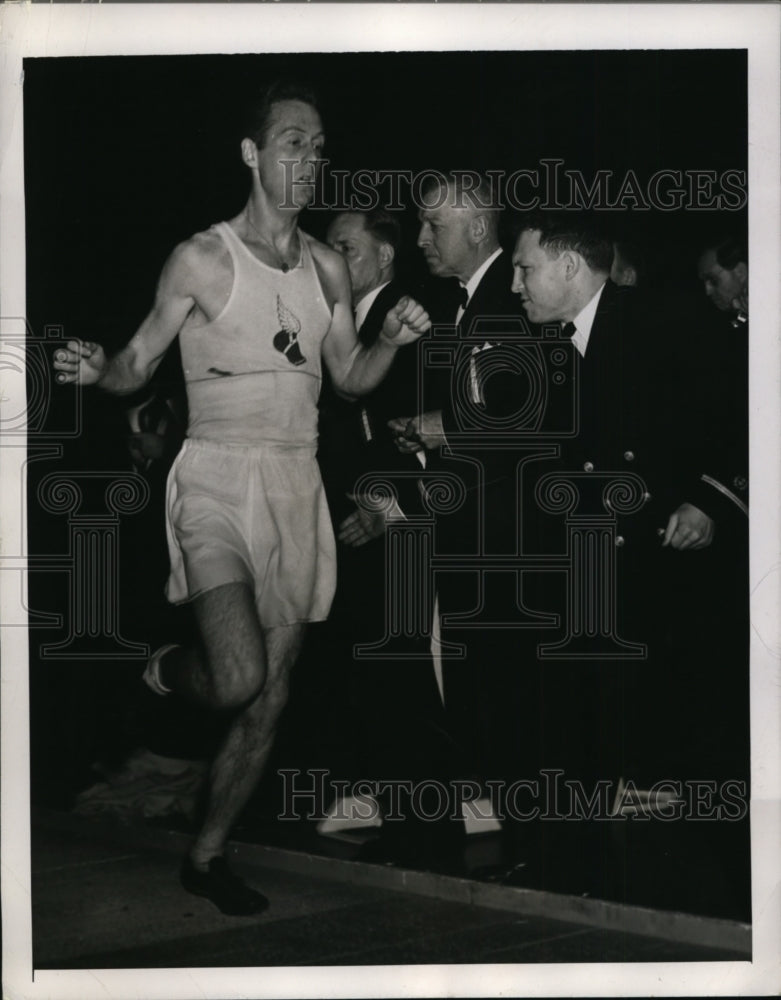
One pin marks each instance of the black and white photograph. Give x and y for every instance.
(384, 610)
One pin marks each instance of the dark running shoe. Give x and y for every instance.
(227, 891)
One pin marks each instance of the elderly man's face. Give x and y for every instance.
(539, 279)
(722, 285)
(444, 235)
(348, 235)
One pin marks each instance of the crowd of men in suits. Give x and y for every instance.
(613, 641)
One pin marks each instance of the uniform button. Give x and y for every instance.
(646, 496)
(588, 466)
(629, 456)
(619, 540)
(740, 482)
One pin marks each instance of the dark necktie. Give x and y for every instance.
(463, 297)
(568, 331)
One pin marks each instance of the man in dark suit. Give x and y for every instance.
(723, 269)
(720, 345)
(354, 437)
(394, 712)
(611, 688)
(459, 237)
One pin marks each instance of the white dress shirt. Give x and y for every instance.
(584, 321)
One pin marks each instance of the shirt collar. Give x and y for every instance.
(363, 307)
(477, 277)
(584, 321)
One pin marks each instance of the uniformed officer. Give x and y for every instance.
(616, 501)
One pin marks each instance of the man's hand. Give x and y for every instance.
(361, 527)
(80, 361)
(689, 528)
(411, 434)
(405, 322)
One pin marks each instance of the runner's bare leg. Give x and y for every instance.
(242, 666)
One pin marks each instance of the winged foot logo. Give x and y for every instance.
(286, 340)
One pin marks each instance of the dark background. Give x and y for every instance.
(125, 156)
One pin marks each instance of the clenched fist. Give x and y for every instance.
(405, 322)
(80, 361)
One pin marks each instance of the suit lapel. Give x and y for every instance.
(492, 290)
(372, 325)
(601, 341)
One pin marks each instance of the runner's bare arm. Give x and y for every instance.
(86, 363)
(354, 368)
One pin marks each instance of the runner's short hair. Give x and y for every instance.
(259, 111)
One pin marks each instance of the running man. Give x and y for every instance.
(256, 303)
